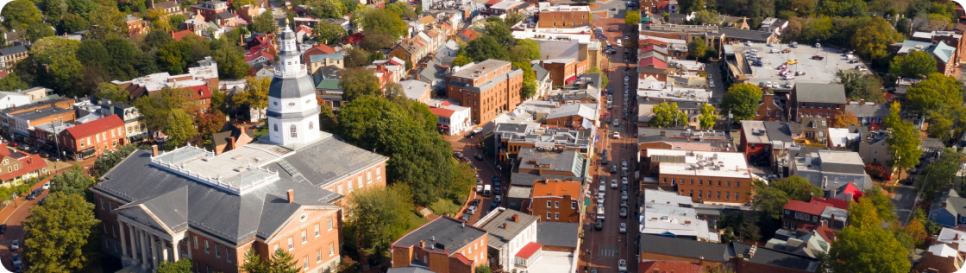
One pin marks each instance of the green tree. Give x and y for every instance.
(328, 33)
(108, 160)
(179, 127)
(688, 6)
(20, 13)
(81, 7)
(381, 21)
(882, 203)
(936, 93)
(73, 181)
(56, 234)
(603, 77)
(709, 116)
(92, 51)
(183, 265)
(378, 214)
(871, 41)
(123, 53)
(483, 48)
(860, 86)
(73, 23)
(498, 29)
(769, 200)
(798, 188)
(914, 65)
(231, 63)
(12, 82)
(175, 20)
(255, 95)
(107, 22)
(668, 116)
(326, 9)
(461, 60)
(357, 83)
(698, 48)
(486, 269)
(904, 141)
(742, 101)
(264, 23)
(280, 262)
(327, 119)
(632, 18)
(402, 9)
(106, 90)
(864, 214)
(529, 88)
(940, 174)
(57, 54)
(175, 57)
(530, 48)
(865, 247)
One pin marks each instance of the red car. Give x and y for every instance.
(817, 57)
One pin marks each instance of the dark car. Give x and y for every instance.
(496, 190)
(42, 201)
(493, 206)
(603, 160)
(466, 217)
(466, 159)
(610, 91)
(479, 157)
(496, 179)
(604, 153)
(613, 168)
(476, 202)
(599, 225)
(470, 134)
(3, 228)
(473, 166)
(33, 195)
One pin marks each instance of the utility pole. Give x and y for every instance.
(53, 124)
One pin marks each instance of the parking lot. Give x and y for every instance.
(816, 71)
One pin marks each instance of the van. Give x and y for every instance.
(486, 190)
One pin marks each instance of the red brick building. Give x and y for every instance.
(445, 245)
(94, 138)
(487, 88)
(769, 109)
(209, 9)
(816, 100)
(556, 200)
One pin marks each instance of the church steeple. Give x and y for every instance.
(293, 112)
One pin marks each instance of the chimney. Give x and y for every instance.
(504, 225)
(422, 244)
(291, 196)
(516, 219)
(154, 150)
(956, 237)
(701, 261)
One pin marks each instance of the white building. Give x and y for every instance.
(670, 214)
(12, 99)
(291, 100)
(832, 170)
(509, 231)
(453, 119)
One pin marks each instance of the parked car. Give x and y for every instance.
(623, 163)
(613, 183)
(624, 195)
(623, 228)
(603, 186)
(599, 225)
(617, 135)
(479, 188)
(623, 212)
(458, 155)
(622, 265)
(33, 195)
(613, 168)
(15, 245)
(479, 157)
(3, 228)
(477, 130)
(470, 134)
(818, 57)
(46, 185)
(466, 218)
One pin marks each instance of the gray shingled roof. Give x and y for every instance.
(13, 50)
(410, 269)
(778, 131)
(746, 34)
(500, 235)
(772, 257)
(290, 88)
(442, 234)
(226, 216)
(820, 92)
(685, 248)
(557, 234)
(327, 161)
(868, 110)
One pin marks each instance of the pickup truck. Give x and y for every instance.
(817, 57)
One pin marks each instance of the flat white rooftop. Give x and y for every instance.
(717, 164)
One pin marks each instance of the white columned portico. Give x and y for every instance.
(177, 249)
(123, 241)
(154, 251)
(134, 243)
(144, 249)
(164, 250)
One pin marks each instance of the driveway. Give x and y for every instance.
(904, 201)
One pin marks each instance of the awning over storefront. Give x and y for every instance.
(570, 79)
(20, 134)
(87, 152)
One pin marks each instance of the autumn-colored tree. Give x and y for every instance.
(918, 232)
(875, 169)
(209, 123)
(844, 120)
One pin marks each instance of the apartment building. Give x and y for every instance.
(564, 16)
(709, 177)
(444, 245)
(488, 88)
(556, 200)
(509, 231)
(129, 114)
(536, 164)
(11, 56)
(769, 109)
(816, 99)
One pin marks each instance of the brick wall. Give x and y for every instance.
(722, 189)
(567, 207)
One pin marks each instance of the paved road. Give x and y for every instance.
(602, 249)
(486, 170)
(13, 216)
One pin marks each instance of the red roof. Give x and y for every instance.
(30, 164)
(810, 208)
(463, 259)
(200, 91)
(528, 250)
(653, 41)
(354, 38)
(856, 192)
(181, 34)
(493, 2)
(252, 56)
(472, 35)
(653, 61)
(94, 127)
(826, 232)
(838, 203)
(669, 266)
(441, 112)
(324, 49)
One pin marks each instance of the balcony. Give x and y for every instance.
(301, 71)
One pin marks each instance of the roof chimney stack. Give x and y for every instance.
(154, 150)
(291, 196)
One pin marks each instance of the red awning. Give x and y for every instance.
(570, 79)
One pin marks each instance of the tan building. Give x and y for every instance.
(710, 177)
(564, 16)
(489, 88)
(445, 245)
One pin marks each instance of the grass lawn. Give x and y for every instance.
(261, 132)
(415, 221)
(444, 207)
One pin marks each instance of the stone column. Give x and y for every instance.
(120, 226)
(144, 249)
(134, 243)
(154, 251)
(164, 250)
(188, 246)
(177, 250)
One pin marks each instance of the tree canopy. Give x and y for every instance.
(871, 41)
(328, 33)
(913, 65)
(742, 100)
(709, 116)
(632, 18)
(668, 116)
(798, 188)
(378, 215)
(903, 142)
(56, 234)
(357, 83)
(936, 93)
(859, 85)
(231, 63)
(255, 95)
(697, 48)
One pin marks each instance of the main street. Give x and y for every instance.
(603, 248)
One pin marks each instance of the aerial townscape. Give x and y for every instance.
(482, 136)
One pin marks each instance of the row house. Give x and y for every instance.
(94, 138)
(811, 215)
(869, 114)
(10, 124)
(395, 67)
(563, 60)
(737, 256)
(319, 49)
(167, 8)
(555, 200)
(453, 119)
(250, 12)
(770, 109)
(564, 16)
(509, 232)
(444, 245)
(410, 50)
(132, 118)
(816, 100)
(201, 79)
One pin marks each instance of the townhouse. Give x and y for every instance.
(444, 245)
(209, 9)
(564, 16)
(534, 165)
(509, 232)
(16, 167)
(811, 215)
(94, 138)
(11, 56)
(666, 213)
(835, 172)
(453, 119)
(557, 200)
(738, 256)
(816, 99)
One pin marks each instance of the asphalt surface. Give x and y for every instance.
(486, 169)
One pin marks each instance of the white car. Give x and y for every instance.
(622, 264)
(479, 188)
(613, 183)
(624, 180)
(623, 195)
(603, 186)
(600, 197)
(478, 130)
(789, 77)
(47, 185)
(617, 135)
(623, 228)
